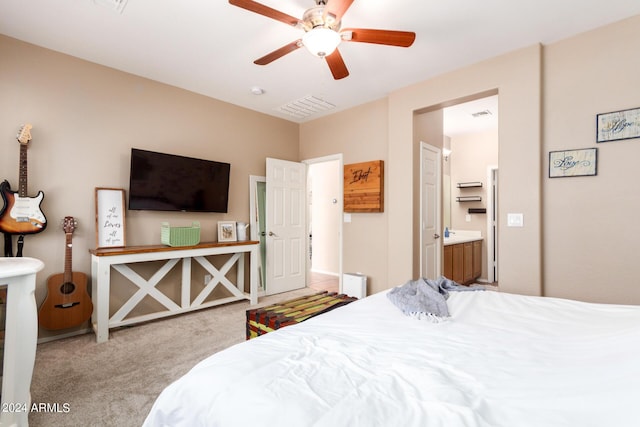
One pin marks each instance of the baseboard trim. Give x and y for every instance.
(63, 336)
(328, 273)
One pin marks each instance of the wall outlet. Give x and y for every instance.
(207, 279)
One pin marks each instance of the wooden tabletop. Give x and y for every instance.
(164, 248)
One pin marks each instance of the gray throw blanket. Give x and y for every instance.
(426, 299)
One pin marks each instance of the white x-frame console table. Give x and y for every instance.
(102, 260)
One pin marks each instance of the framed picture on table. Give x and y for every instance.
(227, 231)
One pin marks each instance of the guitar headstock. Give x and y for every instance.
(69, 224)
(24, 134)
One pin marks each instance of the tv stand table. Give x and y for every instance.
(102, 260)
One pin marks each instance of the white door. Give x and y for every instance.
(285, 226)
(430, 196)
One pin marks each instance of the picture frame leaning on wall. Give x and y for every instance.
(110, 218)
(227, 231)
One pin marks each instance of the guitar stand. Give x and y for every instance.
(8, 245)
(20, 245)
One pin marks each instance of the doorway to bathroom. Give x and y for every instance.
(471, 146)
(466, 130)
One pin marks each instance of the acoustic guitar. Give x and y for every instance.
(68, 303)
(21, 214)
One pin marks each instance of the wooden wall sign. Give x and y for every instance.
(364, 187)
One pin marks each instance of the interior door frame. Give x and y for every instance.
(492, 223)
(332, 157)
(438, 220)
(254, 228)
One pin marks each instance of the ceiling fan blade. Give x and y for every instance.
(265, 11)
(278, 53)
(336, 65)
(337, 8)
(386, 37)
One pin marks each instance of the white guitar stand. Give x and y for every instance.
(20, 339)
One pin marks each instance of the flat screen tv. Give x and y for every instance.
(167, 182)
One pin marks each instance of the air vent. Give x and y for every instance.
(305, 107)
(481, 113)
(115, 5)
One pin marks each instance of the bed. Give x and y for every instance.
(499, 360)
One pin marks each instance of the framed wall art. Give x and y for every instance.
(364, 187)
(618, 125)
(110, 220)
(573, 163)
(227, 231)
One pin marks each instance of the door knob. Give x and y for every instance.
(272, 234)
(436, 236)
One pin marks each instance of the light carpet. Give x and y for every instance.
(78, 382)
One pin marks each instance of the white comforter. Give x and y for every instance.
(500, 360)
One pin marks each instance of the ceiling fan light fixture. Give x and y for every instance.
(321, 41)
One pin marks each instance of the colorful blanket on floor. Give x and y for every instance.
(267, 319)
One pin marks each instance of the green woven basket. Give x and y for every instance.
(180, 236)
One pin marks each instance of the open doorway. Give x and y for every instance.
(323, 261)
(324, 215)
(467, 132)
(470, 174)
(257, 224)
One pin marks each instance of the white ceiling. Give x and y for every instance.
(475, 116)
(208, 46)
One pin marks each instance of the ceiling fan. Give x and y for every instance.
(322, 36)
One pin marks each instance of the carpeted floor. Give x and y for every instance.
(78, 382)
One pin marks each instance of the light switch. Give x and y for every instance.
(515, 220)
(347, 217)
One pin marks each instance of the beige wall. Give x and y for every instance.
(85, 120)
(360, 134)
(471, 156)
(590, 223)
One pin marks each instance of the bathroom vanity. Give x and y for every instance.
(463, 256)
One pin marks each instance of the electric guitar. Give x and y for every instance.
(68, 303)
(21, 214)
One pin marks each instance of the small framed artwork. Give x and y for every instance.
(227, 231)
(110, 220)
(573, 163)
(618, 125)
